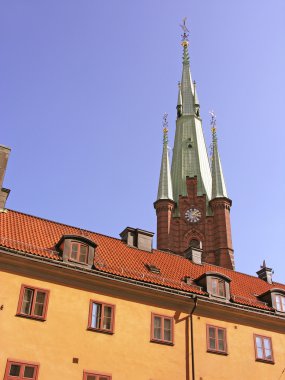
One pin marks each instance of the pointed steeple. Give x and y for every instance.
(218, 182)
(179, 102)
(165, 183)
(196, 101)
(187, 88)
(190, 157)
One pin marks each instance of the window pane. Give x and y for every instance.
(103, 378)
(212, 343)
(167, 329)
(91, 377)
(268, 354)
(221, 334)
(267, 348)
(283, 303)
(259, 347)
(107, 318)
(259, 353)
(266, 343)
(29, 372)
(83, 254)
(96, 315)
(258, 341)
(74, 250)
(27, 301)
(221, 288)
(157, 328)
(15, 370)
(278, 302)
(39, 304)
(212, 333)
(214, 286)
(221, 345)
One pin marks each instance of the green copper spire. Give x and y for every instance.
(165, 183)
(179, 101)
(218, 185)
(190, 157)
(196, 101)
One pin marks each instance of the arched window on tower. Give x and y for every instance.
(195, 243)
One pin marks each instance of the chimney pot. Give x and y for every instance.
(134, 237)
(265, 273)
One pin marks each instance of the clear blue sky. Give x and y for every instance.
(84, 85)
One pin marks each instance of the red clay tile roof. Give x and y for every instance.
(38, 236)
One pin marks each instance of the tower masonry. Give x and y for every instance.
(192, 206)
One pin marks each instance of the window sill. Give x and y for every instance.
(280, 312)
(109, 332)
(265, 361)
(217, 352)
(162, 342)
(217, 297)
(41, 319)
(78, 262)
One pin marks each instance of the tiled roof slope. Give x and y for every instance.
(38, 236)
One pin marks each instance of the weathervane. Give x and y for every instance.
(185, 35)
(213, 121)
(165, 127)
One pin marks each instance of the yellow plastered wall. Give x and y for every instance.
(64, 336)
(240, 362)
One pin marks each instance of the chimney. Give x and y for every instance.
(4, 155)
(134, 237)
(194, 253)
(265, 273)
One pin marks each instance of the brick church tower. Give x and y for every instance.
(192, 206)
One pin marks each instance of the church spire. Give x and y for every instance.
(165, 183)
(190, 157)
(198, 212)
(218, 182)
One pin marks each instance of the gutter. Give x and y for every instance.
(192, 337)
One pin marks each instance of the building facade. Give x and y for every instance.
(76, 304)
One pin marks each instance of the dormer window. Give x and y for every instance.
(274, 297)
(77, 250)
(216, 284)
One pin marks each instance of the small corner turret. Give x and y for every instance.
(4, 193)
(192, 202)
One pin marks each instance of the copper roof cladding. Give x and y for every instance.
(36, 236)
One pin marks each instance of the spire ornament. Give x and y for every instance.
(185, 35)
(213, 123)
(185, 41)
(165, 128)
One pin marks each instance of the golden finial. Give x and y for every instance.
(165, 127)
(214, 133)
(213, 122)
(185, 35)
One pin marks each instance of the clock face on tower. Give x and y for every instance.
(193, 215)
